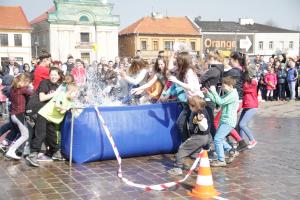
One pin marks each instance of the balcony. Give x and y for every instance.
(84, 45)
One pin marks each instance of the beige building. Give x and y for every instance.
(15, 35)
(156, 33)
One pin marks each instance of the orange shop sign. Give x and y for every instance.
(223, 44)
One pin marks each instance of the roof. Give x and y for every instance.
(13, 17)
(162, 26)
(44, 16)
(228, 26)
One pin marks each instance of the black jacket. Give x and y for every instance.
(194, 129)
(213, 76)
(237, 74)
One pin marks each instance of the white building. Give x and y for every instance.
(268, 43)
(15, 35)
(85, 29)
(248, 37)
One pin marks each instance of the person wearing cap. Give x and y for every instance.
(292, 77)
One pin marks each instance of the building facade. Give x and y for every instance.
(15, 35)
(85, 29)
(156, 33)
(247, 37)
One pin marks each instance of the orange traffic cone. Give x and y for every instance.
(204, 185)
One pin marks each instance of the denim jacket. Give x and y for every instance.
(282, 75)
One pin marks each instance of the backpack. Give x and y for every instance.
(33, 106)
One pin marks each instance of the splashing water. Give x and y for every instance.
(96, 92)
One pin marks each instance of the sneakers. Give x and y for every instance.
(58, 157)
(252, 144)
(232, 154)
(242, 146)
(12, 154)
(218, 163)
(175, 171)
(32, 159)
(43, 158)
(212, 155)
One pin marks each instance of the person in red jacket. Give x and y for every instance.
(249, 104)
(79, 73)
(41, 71)
(271, 81)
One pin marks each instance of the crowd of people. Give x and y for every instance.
(211, 92)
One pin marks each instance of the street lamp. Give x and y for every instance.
(235, 38)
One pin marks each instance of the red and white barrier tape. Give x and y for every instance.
(158, 187)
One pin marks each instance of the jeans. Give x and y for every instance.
(220, 141)
(281, 92)
(246, 116)
(292, 86)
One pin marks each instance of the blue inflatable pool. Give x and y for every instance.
(137, 131)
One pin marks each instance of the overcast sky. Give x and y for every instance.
(285, 14)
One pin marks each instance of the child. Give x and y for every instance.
(2, 99)
(271, 81)
(199, 125)
(18, 94)
(281, 76)
(155, 90)
(229, 105)
(48, 116)
(250, 105)
(79, 73)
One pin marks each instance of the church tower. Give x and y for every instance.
(87, 29)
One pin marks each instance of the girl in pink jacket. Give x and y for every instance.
(271, 81)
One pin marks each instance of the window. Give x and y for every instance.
(169, 45)
(291, 45)
(155, 45)
(281, 45)
(143, 45)
(84, 18)
(85, 57)
(4, 61)
(84, 37)
(19, 60)
(18, 40)
(261, 45)
(193, 46)
(271, 45)
(3, 39)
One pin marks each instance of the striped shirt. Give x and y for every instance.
(229, 104)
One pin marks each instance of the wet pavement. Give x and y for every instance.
(271, 170)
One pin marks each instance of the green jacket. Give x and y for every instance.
(229, 104)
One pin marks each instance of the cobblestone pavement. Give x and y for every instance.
(271, 170)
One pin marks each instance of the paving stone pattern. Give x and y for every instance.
(269, 171)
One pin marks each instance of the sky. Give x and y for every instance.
(284, 14)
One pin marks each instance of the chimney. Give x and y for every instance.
(246, 21)
(156, 15)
